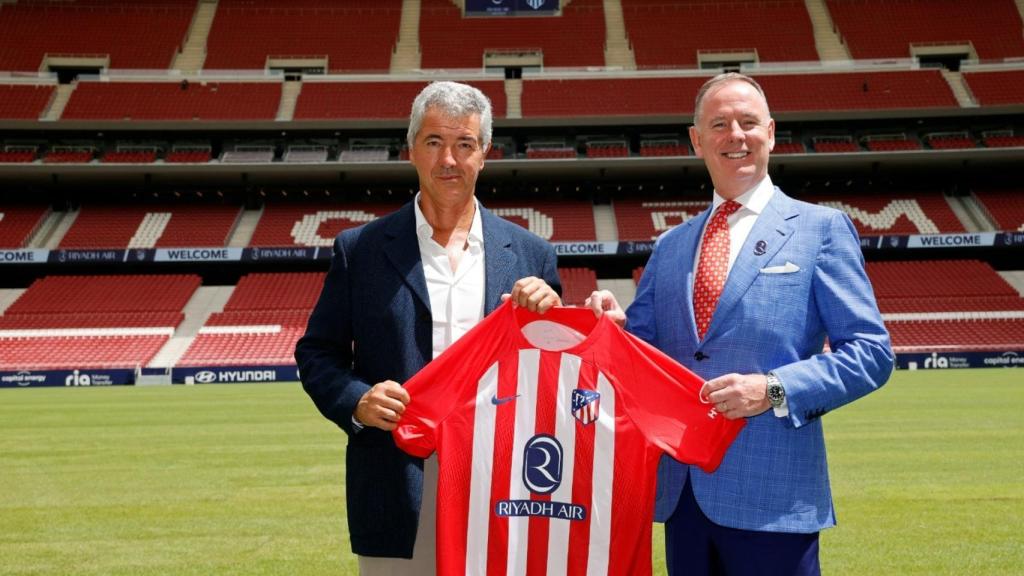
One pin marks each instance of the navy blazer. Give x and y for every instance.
(373, 323)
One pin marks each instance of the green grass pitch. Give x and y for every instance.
(928, 478)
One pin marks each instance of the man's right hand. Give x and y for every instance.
(382, 405)
(603, 302)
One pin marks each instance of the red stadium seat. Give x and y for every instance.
(778, 30)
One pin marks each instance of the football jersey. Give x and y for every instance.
(548, 430)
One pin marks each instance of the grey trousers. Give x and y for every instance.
(423, 561)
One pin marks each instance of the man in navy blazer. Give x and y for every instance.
(795, 277)
(399, 290)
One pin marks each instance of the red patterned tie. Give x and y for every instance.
(713, 266)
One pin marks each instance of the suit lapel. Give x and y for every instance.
(774, 228)
(403, 252)
(499, 259)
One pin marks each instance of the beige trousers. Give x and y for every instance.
(423, 556)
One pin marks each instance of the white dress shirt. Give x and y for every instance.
(741, 222)
(456, 297)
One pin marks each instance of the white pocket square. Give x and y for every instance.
(789, 268)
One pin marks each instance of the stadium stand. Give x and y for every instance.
(69, 156)
(950, 141)
(996, 88)
(892, 144)
(896, 213)
(836, 145)
(376, 100)
(887, 28)
(549, 151)
(1004, 141)
(173, 101)
(608, 96)
(476, 36)
(670, 34)
(130, 156)
(141, 226)
(312, 224)
(95, 321)
(1005, 208)
(937, 279)
(138, 294)
(78, 352)
(355, 35)
(857, 91)
(946, 305)
(138, 35)
(24, 101)
(261, 322)
(17, 156)
(18, 223)
(555, 221)
(577, 285)
(646, 219)
(918, 89)
(663, 148)
(607, 150)
(959, 335)
(789, 148)
(188, 156)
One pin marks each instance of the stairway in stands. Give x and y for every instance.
(617, 53)
(192, 56)
(830, 46)
(406, 55)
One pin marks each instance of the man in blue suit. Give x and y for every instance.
(400, 290)
(745, 295)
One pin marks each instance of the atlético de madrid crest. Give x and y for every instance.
(585, 405)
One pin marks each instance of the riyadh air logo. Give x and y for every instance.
(586, 405)
(542, 464)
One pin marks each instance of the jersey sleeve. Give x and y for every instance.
(665, 404)
(440, 387)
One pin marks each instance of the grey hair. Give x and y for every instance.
(454, 100)
(722, 79)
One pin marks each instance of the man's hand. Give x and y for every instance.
(534, 294)
(382, 405)
(603, 302)
(737, 395)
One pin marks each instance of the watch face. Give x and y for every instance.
(776, 394)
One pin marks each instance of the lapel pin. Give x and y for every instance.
(760, 248)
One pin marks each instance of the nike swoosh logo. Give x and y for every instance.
(499, 401)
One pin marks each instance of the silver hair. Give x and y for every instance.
(722, 79)
(454, 100)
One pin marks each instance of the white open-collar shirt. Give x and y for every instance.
(456, 298)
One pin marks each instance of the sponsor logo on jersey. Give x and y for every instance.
(585, 405)
(542, 464)
(499, 401)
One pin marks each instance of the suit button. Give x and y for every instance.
(700, 356)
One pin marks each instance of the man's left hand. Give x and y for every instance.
(534, 294)
(737, 395)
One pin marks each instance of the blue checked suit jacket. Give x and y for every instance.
(774, 477)
(373, 323)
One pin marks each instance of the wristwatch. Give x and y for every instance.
(776, 393)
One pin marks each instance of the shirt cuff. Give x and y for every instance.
(781, 411)
(358, 426)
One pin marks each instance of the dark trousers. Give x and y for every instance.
(696, 546)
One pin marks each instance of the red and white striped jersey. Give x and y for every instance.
(548, 431)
